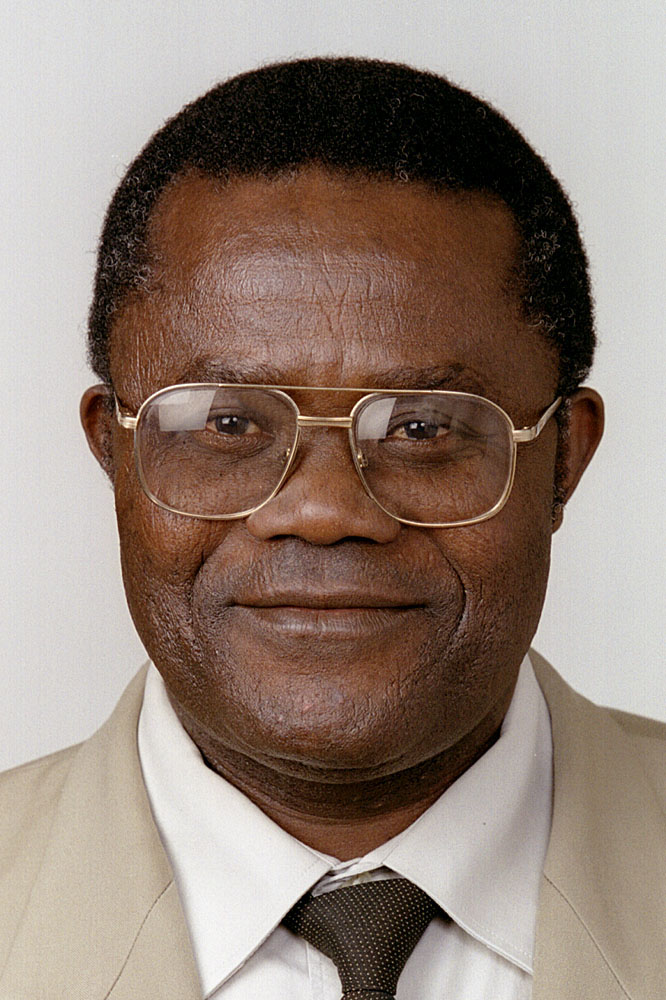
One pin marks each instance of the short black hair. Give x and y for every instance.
(366, 116)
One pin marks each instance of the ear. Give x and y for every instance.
(583, 434)
(98, 419)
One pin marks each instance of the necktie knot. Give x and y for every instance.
(368, 930)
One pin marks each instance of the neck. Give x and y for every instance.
(346, 819)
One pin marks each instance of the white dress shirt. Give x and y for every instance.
(478, 851)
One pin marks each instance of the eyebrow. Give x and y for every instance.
(214, 370)
(453, 376)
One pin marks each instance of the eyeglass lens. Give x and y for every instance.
(425, 457)
(434, 458)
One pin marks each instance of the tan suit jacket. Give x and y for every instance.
(89, 909)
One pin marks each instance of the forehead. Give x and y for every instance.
(324, 278)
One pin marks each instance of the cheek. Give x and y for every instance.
(161, 555)
(503, 563)
(167, 546)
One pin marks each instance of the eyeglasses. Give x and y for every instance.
(428, 458)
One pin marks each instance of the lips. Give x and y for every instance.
(347, 622)
(338, 600)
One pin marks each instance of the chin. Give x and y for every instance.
(350, 725)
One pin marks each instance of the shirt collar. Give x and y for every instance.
(478, 850)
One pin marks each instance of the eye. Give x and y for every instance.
(232, 424)
(419, 430)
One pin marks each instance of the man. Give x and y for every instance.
(341, 319)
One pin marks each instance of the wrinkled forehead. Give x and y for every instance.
(319, 262)
(301, 217)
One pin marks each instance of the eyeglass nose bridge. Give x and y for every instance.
(342, 423)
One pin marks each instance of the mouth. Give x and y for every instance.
(310, 600)
(340, 616)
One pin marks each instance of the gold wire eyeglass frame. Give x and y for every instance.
(522, 435)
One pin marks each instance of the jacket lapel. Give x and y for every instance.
(602, 913)
(103, 908)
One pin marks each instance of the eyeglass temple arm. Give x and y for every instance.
(531, 433)
(124, 421)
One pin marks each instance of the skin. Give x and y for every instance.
(341, 668)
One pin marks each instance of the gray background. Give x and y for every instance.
(84, 85)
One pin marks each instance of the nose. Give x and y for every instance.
(323, 500)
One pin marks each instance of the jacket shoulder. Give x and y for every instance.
(622, 732)
(602, 916)
(29, 796)
(32, 786)
(641, 727)
(648, 737)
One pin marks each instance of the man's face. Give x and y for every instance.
(319, 633)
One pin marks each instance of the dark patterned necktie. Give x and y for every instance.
(368, 930)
